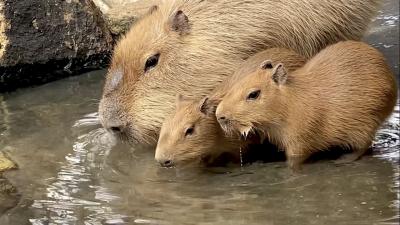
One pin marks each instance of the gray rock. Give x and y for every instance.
(44, 40)
(121, 14)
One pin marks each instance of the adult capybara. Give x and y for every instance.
(339, 98)
(192, 134)
(189, 47)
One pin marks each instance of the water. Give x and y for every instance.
(71, 171)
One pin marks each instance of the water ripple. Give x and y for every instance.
(386, 146)
(74, 183)
(387, 140)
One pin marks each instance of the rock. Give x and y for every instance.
(44, 40)
(121, 14)
(6, 163)
(9, 196)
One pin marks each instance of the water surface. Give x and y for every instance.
(71, 171)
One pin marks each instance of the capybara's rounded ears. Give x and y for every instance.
(180, 23)
(152, 9)
(267, 64)
(178, 100)
(208, 106)
(279, 74)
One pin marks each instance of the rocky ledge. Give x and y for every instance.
(45, 40)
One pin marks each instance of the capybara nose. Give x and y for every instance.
(114, 126)
(111, 117)
(116, 129)
(222, 119)
(166, 163)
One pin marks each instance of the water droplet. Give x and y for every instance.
(241, 157)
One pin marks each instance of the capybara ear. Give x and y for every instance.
(178, 100)
(152, 9)
(180, 23)
(279, 74)
(207, 106)
(267, 64)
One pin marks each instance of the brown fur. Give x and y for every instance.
(339, 98)
(201, 42)
(208, 140)
(203, 146)
(291, 59)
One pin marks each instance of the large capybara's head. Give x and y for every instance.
(192, 136)
(255, 101)
(140, 86)
(150, 65)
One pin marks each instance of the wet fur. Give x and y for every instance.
(206, 143)
(219, 36)
(339, 98)
(209, 141)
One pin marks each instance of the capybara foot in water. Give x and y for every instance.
(338, 98)
(355, 155)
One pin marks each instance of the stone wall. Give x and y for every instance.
(45, 40)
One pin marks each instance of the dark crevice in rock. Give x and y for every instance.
(26, 75)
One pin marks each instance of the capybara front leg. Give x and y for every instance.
(295, 158)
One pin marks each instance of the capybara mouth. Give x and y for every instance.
(229, 128)
(254, 136)
(133, 135)
(127, 136)
(235, 128)
(121, 136)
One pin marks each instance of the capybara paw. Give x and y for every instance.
(347, 158)
(294, 165)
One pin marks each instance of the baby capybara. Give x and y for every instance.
(338, 98)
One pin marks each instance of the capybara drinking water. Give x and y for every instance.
(338, 98)
(192, 134)
(189, 47)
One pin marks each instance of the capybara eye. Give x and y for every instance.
(151, 62)
(189, 131)
(253, 95)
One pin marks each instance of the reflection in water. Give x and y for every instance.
(85, 192)
(388, 137)
(389, 20)
(386, 142)
(71, 193)
(4, 118)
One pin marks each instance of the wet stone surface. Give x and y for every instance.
(72, 172)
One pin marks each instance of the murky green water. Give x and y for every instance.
(73, 172)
